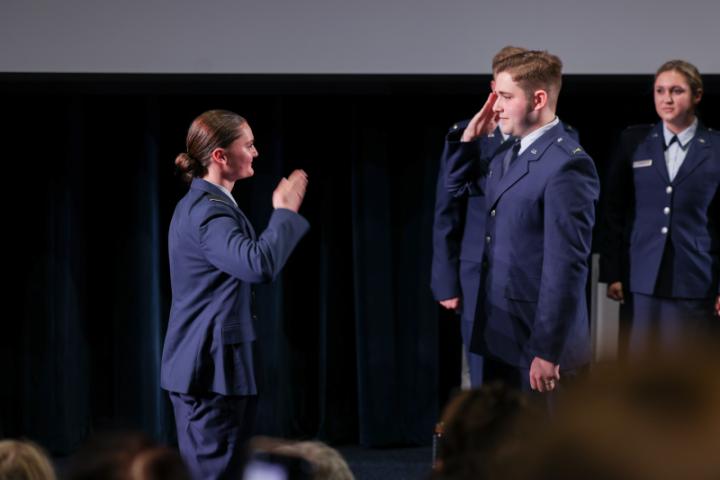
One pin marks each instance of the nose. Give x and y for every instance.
(496, 106)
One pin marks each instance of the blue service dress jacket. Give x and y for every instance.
(215, 257)
(459, 221)
(538, 233)
(647, 213)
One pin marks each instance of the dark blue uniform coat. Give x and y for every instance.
(538, 229)
(215, 257)
(646, 212)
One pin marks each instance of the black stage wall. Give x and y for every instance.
(355, 350)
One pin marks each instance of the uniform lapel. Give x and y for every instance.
(521, 165)
(699, 151)
(493, 179)
(656, 151)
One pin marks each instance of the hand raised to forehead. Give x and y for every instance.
(484, 121)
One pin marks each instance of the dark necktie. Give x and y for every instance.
(510, 156)
(673, 140)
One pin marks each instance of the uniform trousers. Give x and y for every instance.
(212, 432)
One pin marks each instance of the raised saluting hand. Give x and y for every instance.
(483, 123)
(291, 191)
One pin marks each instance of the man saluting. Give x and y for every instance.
(541, 191)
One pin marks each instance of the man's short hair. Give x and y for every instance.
(534, 70)
(503, 53)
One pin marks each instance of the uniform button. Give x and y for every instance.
(487, 239)
(492, 212)
(666, 210)
(254, 316)
(668, 190)
(664, 230)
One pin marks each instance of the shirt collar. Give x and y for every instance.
(528, 139)
(222, 189)
(684, 137)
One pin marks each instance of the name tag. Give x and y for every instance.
(642, 163)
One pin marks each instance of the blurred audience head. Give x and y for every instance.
(125, 456)
(325, 462)
(480, 428)
(24, 460)
(654, 419)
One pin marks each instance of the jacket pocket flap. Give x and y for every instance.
(525, 291)
(238, 333)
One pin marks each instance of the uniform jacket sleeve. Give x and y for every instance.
(569, 214)
(229, 248)
(447, 236)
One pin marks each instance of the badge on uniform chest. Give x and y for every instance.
(642, 163)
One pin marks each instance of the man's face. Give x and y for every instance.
(674, 101)
(512, 106)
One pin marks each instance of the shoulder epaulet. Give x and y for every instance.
(219, 199)
(635, 134)
(642, 129)
(458, 126)
(568, 144)
(640, 126)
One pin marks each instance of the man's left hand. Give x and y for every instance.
(544, 375)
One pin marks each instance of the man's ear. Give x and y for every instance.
(218, 156)
(540, 99)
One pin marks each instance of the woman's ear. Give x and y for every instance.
(218, 155)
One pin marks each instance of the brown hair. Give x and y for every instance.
(533, 70)
(125, 456)
(24, 460)
(480, 428)
(212, 129)
(503, 53)
(687, 70)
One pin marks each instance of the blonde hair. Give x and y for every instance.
(24, 460)
(687, 70)
(327, 462)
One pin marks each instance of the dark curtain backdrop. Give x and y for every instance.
(354, 349)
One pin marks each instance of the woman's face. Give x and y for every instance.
(240, 155)
(674, 101)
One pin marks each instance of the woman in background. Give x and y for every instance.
(663, 217)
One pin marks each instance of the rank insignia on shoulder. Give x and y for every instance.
(577, 150)
(701, 140)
